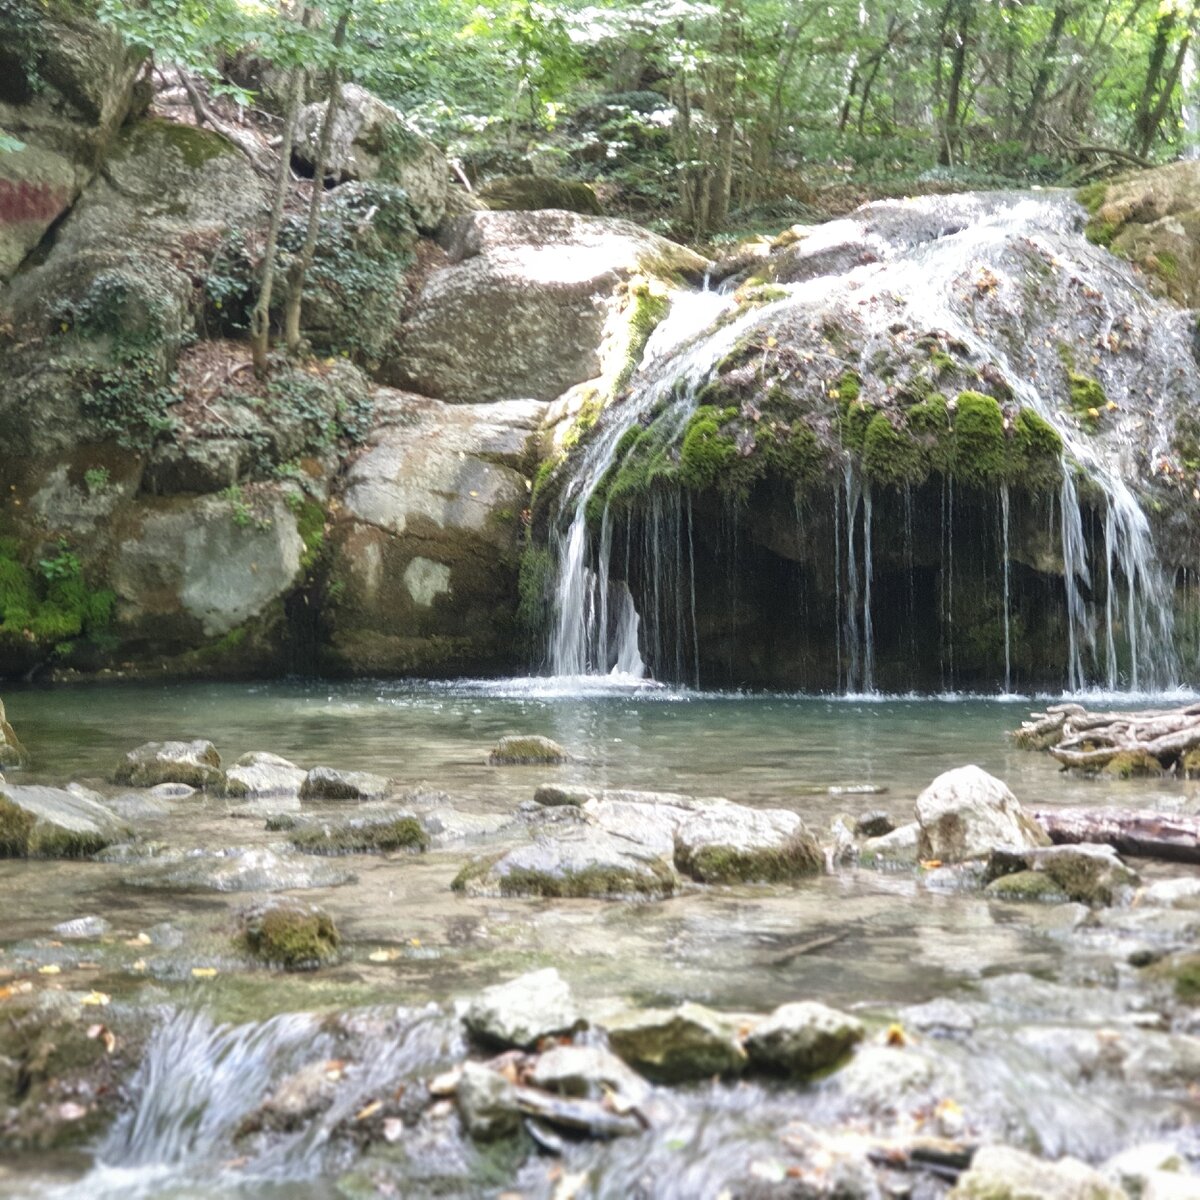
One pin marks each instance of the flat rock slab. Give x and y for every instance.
(195, 763)
(1002, 1173)
(675, 1045)
(45, 822)
(256, 870)
(524, 1010)
(259, 775)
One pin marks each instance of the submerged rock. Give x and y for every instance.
(675, 1045)
(895, 849)
(45, 822)
(578, 862)
(83, 927)
(967, 813)
(362, 835)
(259, 775)
(1002, 1173)
(803, 1039)
(295, 936)
(524, 1010)
(257, 870)
(194, 763)
(527, 750)
(730, 843)
(326, 783)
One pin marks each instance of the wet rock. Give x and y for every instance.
(527, 750)
(1088, 874)
(590, 1072)
(12, 753)
(295, 1100)
(843, 849)
(487, 1103)
(171, 791)
(967, 813)
(731, 844)
(288, 934)
(1135, 1168)
(362, 835)
(675, 1045)
(1002, 1173)
(1169, 1185)
(256, 870)
(326, 783)
(371, 140)
(591, 1117)
(1174, 893)
(552, 795)
(83, 928)
(524, 1010)
(576, 862)
(141, 805)
(448, 826)
(194, 763)
(874, 825)
(882, 1079)
(943, 1017)
(45, 822)
(530, 304)
(803, 1039)
(260, 775)
(895, 849)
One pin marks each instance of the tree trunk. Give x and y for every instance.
(951, 133)
(260, 318)
(304, 259)
(1139, 834)
(1042, 80)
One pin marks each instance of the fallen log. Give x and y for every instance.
(1163, 836)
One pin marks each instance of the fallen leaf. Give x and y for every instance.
(140, 965)
(368, 1110)
(142, 939)
(204, 972)
(70, 1111)
(50, 969)
(383, 955)
(896, 1035)
(99, 999)
(930, 864)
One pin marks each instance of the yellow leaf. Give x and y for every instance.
(203, 972)
(383, 955)
(772, 341)
(1093, 413)
(896, 1035)
(368, 1110)
(930, 864)
(140, 965)
(142, 939)
(414, 941)
(99, 999)
(50, 969)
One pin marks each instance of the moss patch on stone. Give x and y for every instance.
(293, 936)
(1026, 885)
(796, 858)
(362, 836)
(892, 455)
(527, 193)
(1132, 764)
(595, 882)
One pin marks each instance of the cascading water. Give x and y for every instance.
(1116, 598)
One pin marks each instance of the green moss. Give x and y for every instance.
(707, 454)
(1187, 978)
(648, 305)
(533, 588)
(16, 829)
(726, 864)
(941, 362)
(1025, 885)
(1101, 233)
(310, 524)
(1092, 196)
(1088, 399)
(794, 454)
(892, 456)
(474, 871)
(593, 882)
(980, 452)
(849, 387)
(195, 146)
(1132, 764)
(292, 936)
(1166, 265)
(527, 193)
(362, 836)
(541, 478)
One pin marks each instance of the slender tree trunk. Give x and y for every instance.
(725, 80)
(1041, 81)
(304, 259)
(260, 318)
(951, 133)
(1143, 126)
(1165, 95)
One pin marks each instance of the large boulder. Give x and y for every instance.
(674, 1045)
(12, 753)
(195, 763)
(371, 140)
(730, 843)
(66, 84)
(803, 1039)
(260, 775)
(45, 822)
(425, 542)
(967, 813)
(1087, 874)
(528, 304)
(524, 1010)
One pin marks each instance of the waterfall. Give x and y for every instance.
(1004, 519)
(868, 680)
(853, 637)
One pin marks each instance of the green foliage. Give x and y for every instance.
(96, 480)
(240, 512)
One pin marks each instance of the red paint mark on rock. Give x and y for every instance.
(25, 201)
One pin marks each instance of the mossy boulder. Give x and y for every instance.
(1087, 874)
(735, 844)
(803, 1039)
(195, 763)
(527, 193)
(297, 937)
(1002, 1173)
(1185, 976)
(45, 822)
(362, 835)
(527, 750)
(677, 1045)
(1133, 764)
(1026, 885)
(260, 775)
(329, 783)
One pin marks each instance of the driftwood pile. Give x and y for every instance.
(1151, 742)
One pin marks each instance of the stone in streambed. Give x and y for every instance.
(487, 1103)
(326, 783)
(895, 849)
(12, 753)
(675, 1045)
(802, 1039)
(589, 1072)
(527, 750)
(524, 1010)
(81, 928)
(1002, 1173)
(45, 822)
(1087, 874)
(240, 870)
(195, 763)
(967, 813)
(288, 934)
(362, 835)
(259, 775)
(730, 843)
(874, 825)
